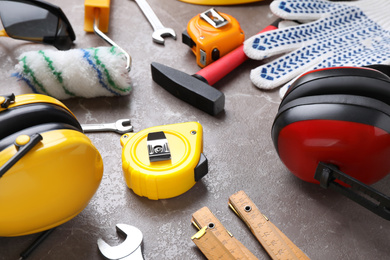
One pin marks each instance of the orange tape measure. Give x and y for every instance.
(211, 35)
(212, 234)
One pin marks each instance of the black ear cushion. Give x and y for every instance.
(345, 81)
(385, 69)
(20, 117)
(333, 107)
(9, 140)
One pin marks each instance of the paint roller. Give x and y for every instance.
(86, 73)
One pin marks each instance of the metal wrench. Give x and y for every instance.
(130, 249)
(121, 126)
(158, 27)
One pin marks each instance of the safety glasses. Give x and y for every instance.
(36, 21)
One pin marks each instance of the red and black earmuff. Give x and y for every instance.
(333, 128)
(49, 170)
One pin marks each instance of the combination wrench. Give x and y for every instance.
(121, 126)
(160, 30)
(129, 249)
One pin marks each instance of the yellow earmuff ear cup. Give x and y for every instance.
(49, 185)
(17, 118)
(34, 98)
(55, 180)
(42, 128)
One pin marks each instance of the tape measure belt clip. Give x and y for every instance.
(214, 18)
(158, 147)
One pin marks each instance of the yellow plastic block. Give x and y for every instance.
(3, 33)
(91, 6)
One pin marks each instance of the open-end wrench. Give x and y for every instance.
(130, 249)
(158, 27)
(121, 126)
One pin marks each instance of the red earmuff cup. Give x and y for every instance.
(359, 150)
(351, 132)
(333, 128)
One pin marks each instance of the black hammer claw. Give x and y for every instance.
(189, 88)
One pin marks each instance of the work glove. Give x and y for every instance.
(355, 33)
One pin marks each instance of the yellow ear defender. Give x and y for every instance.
(49, 170)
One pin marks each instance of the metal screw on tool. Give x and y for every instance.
(158, 149)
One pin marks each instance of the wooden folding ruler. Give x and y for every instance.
(217, 243)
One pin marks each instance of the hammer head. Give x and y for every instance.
(189, 88)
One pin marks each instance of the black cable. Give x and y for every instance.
(35, 244)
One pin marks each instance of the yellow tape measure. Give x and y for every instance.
(212, 234)
(162, 162)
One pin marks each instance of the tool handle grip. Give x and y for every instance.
(221, 67)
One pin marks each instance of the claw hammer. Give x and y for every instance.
(197, 89)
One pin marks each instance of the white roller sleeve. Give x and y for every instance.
(83, 73)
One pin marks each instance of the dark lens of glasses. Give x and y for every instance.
(27, 22)
(33, 23)
(63, 40)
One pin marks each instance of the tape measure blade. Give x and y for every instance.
(264, 230)
(204, 217)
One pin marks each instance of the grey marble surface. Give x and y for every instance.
(237, 144)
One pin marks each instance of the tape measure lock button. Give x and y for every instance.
(215, 54)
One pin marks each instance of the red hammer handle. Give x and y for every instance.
(221, 67)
